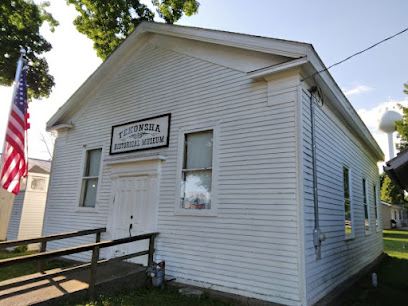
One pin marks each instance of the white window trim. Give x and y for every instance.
(78, 207)
(352, 236)
(376, 203)
(178, 210)
(367, 232)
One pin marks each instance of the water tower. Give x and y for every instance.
(386, 124)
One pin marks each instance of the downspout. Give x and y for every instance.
(318, 236)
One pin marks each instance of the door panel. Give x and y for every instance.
(132, 214)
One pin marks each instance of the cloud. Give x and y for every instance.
(371, 116)
(357, 90)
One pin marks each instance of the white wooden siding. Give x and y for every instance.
(336, 147)
(251, 246)
(32, 216)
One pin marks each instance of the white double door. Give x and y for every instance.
(134, 213)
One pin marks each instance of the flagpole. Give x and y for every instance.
(16, 80)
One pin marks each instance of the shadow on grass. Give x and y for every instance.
(392, 286)
(396, 234)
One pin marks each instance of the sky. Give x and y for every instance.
(372, 81)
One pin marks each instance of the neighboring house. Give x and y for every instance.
(392, 215)
(205, 136)
(22, 216)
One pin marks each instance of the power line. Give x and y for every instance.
(355, 54)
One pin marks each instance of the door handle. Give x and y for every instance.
(130, 228)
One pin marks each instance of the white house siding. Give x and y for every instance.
(15, 217)
(32, 216)
(336, 147)
(251, 246)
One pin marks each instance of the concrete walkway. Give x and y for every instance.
(45, 289)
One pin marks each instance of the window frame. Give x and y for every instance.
(350, 181)
(366, 203)
(80, 207)
(212, 211)
(376, 207)
(32, 176)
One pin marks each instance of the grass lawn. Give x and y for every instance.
(168, 297)
(25, 268)
(396, 243)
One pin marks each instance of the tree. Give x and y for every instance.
(20, 22)
(108, 23)
(390, 192)
(402, 125)
(172, 10)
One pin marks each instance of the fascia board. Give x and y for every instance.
(341, 103)
(137, 38)
(265, 72)
(243, 41)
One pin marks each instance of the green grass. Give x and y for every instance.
(396, 243)
(168, 297)
(25, 268)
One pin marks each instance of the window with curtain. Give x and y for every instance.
(90, 178)
(196, 179)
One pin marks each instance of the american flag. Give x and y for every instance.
(14, 162)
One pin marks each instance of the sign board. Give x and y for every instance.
(144, 134)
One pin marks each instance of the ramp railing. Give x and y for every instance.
(44, 239)
(94, 247)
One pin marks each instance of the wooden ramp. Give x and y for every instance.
(59, 285)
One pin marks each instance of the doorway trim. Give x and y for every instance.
(126, 166)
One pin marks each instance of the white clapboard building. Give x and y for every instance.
(206, 137)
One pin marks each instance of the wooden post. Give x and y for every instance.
(41, 264)
(151, 250)
(98, 237)
(92, 274)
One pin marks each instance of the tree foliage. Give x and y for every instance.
(390, 192)
(172, 10)
(402, 125)
(20, 22)
(108, 23)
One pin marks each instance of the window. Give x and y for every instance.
(366, 208)
(348, 225)
(90, 178)
(196, 178)
(38, 183)
(377, 225)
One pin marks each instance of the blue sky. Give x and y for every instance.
(337, 29)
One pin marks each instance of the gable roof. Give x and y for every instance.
(298, 55)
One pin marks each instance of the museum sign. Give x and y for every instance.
(144, 134)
